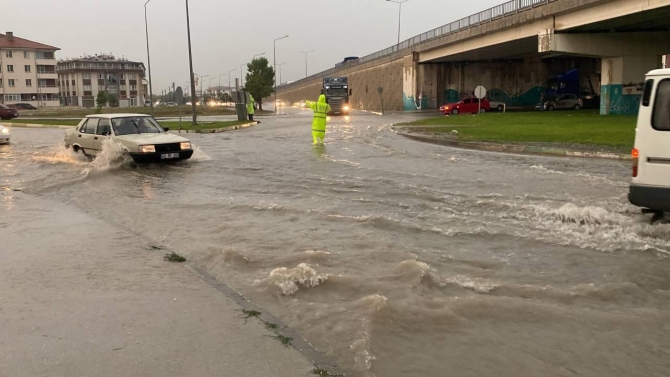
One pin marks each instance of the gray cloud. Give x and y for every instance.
(226, 34)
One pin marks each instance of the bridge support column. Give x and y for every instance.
(409, 83)
(622, 83)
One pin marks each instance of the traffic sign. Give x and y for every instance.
(179, 96)
(480, 92)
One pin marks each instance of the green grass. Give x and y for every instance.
(570, 127)
(51, 122)
(185, 124)
(158, 111)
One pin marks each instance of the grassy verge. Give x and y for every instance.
(568, 127)
(185, 125)
(158, 111)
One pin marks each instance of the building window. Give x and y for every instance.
(10, 82)
(87, 76)
(133, 88)
(44, 55)
(101, 76)
(132, 76)
(87, 88)
(0, 83)
(29, 82)
(10, 68)
(122, 77)
(26, 54)
(27, 68)
(101, 88)
(122, 87)
(12, 97)
(8, 53)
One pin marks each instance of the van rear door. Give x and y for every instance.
(653, 134)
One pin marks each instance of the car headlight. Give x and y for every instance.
(147, 149)
(5, 131)
(185, 145)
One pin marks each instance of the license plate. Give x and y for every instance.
(167, 156)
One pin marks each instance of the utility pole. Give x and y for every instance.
(146, 28)
(400, 3)
(306, 53)
(275, 71)
(190, 61)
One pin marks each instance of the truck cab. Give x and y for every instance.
(650, 187)
(337, 92)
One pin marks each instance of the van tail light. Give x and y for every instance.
(636, 161)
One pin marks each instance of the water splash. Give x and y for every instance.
(112, 156)
(288, 280)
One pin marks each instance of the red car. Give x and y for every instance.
(466, 106)
(6, 113)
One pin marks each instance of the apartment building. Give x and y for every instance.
(27, 72)
(80, 80)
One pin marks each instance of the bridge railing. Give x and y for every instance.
(499, 11)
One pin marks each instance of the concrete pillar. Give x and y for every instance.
(409, 83)
(623, 83)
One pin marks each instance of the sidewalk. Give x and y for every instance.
(81, 297)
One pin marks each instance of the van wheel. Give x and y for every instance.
(76, 148)
(577, 107)
(551, 108)
(501, 108)
(482, 111)
(454, 111)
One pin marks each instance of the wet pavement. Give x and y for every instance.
(394, 257)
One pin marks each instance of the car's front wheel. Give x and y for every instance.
(454, 111)
(551, 108)
(482, 111)
(577, 107)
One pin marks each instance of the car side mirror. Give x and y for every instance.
(166, 129)
(351, 92)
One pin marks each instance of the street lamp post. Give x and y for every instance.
(146, 28)
(229, 72)
(280, 65)
(275, 66)
(306, 53)
(201, 77)
(241, 73)
(190, 61)
(400, 3)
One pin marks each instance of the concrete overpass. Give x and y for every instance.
(513, 50)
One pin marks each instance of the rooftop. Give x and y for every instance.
(8, 40)
(102, 57)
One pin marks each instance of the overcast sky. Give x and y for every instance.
(227, 33)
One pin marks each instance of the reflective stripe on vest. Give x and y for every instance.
(322, 131)
(321, 110)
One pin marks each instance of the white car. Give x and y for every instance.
(500, 106)
(4, 134)
(141, 136)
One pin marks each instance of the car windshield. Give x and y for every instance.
(135, 125)
(3, 106)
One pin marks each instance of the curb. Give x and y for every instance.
(34, 125)
(218, 130)
(518, 149)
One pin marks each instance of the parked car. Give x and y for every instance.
(147, 103)
(141, 136)
(6, 113)
(497, 105)
(23, 106)
(466, 106)
(4, 134)
(562, 102)
(171, 104)
(650, 186)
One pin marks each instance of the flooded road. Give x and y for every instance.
(393, 257)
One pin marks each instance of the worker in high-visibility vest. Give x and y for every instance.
(321, 110)
(251, 107)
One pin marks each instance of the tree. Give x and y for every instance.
(224, 97)
(101, 100)
(260, 79)
(113, 100)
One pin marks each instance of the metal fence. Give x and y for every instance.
(500, 11)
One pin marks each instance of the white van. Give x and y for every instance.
(650, 188)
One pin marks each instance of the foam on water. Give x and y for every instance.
(61, 155)
(112, 156)
(288, 281)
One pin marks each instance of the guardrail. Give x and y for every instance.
(500, 11)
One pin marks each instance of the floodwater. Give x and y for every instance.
(393, 257)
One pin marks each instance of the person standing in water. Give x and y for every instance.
(251, 107)
(321, 110)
